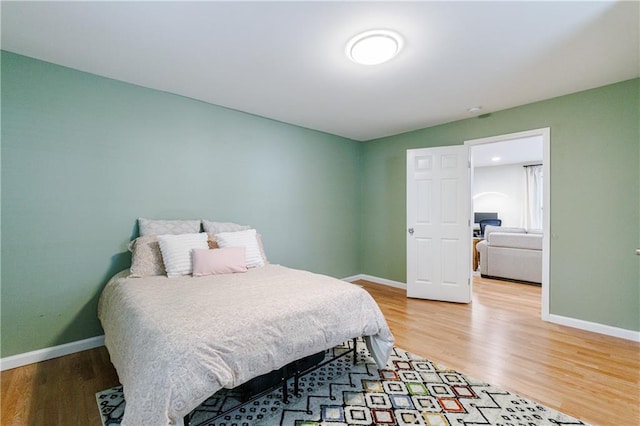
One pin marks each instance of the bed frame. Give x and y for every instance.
(262, 385)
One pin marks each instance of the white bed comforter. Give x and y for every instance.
(176, 341)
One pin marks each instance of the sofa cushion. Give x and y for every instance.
(516, 241)
(489, 229)
(523, 265)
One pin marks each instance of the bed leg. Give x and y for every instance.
(285, 392)
(355, 351)
(296, 383)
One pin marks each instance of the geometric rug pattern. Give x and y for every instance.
(409, 391)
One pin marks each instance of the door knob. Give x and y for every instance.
(410, 231)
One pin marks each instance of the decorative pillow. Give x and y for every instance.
(212, 241)
(214, 245)
(246, 239)
(219, 261)
(167, 227)
(176, 252)
(146, 258)
(218, 227)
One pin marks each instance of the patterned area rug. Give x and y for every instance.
(410, 391)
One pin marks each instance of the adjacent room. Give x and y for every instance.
(305, 213)
(508, 193)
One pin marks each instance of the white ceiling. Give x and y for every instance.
(516, 151)
(285, 60)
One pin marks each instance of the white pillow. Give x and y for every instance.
(176, 252)
(246, 239)
(217, 227)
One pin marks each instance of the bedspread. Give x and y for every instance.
(176, 341)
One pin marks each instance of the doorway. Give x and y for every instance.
(515, 149)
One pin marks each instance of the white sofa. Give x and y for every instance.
(511, 253)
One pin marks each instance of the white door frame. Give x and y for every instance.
(545, 133)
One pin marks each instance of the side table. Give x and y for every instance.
(476, 255)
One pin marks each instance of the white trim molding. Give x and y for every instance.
(596, 327)
(377, 280)
(39, 355)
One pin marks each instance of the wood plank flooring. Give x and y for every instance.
(498, 338)
(57, 392)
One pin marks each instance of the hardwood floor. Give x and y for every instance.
(498, 338)
(60, 391)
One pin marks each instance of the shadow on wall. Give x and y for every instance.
(77, 376)
(89, 311)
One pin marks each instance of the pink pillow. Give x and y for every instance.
(219, 261)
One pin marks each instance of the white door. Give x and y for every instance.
(438, 224)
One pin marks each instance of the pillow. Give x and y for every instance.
(176, 252)
(219, 261)
(217, 227)
(212, 241)
(246, 239)
(167, 227)
(261, 247)
(214, 245)
(146, 258)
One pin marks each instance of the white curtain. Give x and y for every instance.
(533, 197)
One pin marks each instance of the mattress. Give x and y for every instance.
(176, 341)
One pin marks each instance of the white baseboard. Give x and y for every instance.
(596, 327)
(377, 280)
(19, 360)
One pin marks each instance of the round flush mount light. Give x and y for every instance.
(374, 47)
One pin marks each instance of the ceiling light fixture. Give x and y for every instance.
(474, 109)
(495, 158)
(374, 47)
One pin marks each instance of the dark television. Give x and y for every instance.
(478, 216)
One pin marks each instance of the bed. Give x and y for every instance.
(176, 341)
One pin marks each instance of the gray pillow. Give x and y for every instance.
(218, 227)
(164, 227)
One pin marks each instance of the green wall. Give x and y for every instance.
(84, 156)
(595, 194)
